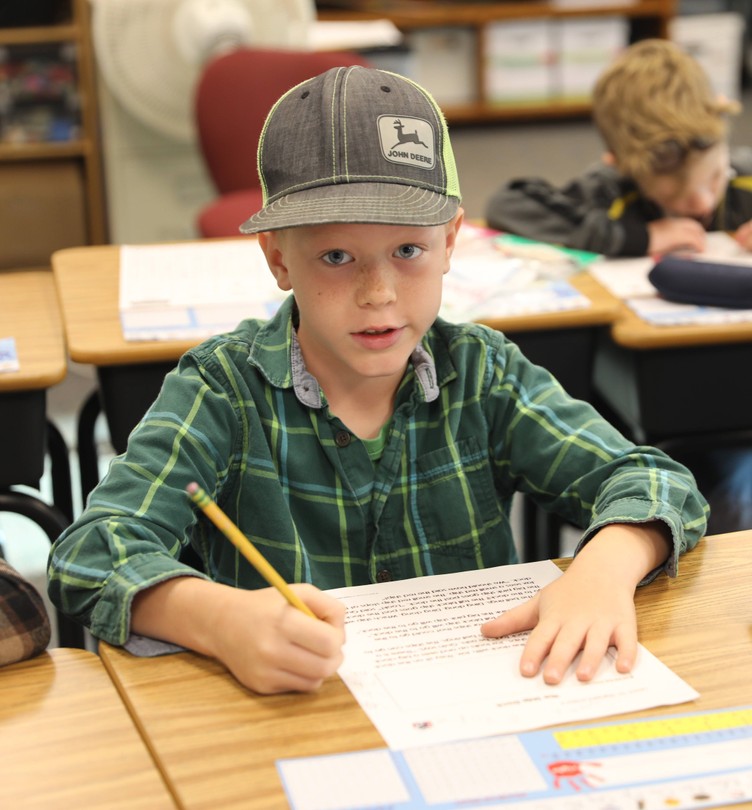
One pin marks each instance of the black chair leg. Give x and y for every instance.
(529, 530)
(53, 522)
(552, 538)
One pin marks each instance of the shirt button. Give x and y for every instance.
(384, 575)
(342, 438)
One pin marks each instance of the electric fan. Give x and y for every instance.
(150, 52)
(149, 56)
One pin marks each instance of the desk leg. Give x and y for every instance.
(124, 395)
(62, 492)
(541, 533)
(88, 464)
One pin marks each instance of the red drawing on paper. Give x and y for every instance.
(576, 774)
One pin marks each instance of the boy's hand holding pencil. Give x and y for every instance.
(267, 648)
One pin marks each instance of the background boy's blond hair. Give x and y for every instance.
(654, 104)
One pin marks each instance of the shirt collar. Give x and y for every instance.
(285, 369)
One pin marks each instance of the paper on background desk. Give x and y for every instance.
(8, 354)
(416, 662)
(483, 282)
(628, 279)
(197, 289)
(193, 290)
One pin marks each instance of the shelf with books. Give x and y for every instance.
(519, 59)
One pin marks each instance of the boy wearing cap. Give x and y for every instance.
(666, 178)
(356, 437)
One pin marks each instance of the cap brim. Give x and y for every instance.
(370, 203)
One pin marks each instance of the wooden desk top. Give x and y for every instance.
(217, 743)
(88, 282)
(632, 332)
(29, 312)
(88, 285)
(67, 741)
(604, 309)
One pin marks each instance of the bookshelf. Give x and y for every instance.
(645, 18)
(49, 137)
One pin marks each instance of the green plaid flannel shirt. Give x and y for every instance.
(474, 421)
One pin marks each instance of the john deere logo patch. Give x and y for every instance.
(407, 140)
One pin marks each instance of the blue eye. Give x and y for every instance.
(337, 257)
(408, 251)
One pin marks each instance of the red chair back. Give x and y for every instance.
(234, 94)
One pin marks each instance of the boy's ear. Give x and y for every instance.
(271, 244)
(452, 229)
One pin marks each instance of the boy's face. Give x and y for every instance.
(696, 189)
(366, 293)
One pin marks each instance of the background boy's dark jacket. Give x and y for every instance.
(603, 211)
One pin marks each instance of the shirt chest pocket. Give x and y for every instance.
(456, 500)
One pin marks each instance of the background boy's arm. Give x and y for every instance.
(576, 215)
(737, 206)
(267, 644)
(675, 233)
(743, 235)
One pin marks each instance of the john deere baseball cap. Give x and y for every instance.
(355, 144)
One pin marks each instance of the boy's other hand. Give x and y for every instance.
(271, 646)
(590, 607)
(744, 235)
(572, 613)
(675, 233)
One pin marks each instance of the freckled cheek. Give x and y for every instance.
(328, 291)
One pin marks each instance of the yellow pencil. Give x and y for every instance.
(245, 547)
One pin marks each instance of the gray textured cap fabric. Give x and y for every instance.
(355, 144)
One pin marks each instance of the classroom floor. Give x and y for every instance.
(486, 156)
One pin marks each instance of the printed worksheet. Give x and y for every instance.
(418, 665)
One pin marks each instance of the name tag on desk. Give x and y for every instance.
(8, 355)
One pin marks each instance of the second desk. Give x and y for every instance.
(670, 382)
(131, 373)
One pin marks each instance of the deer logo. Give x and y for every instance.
(406, 137)
(416, 139)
